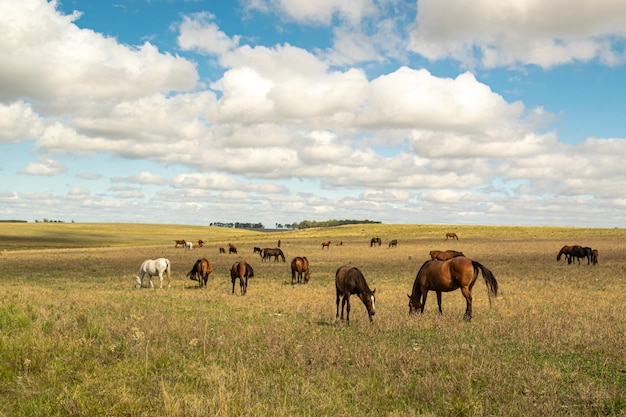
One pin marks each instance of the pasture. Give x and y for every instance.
(77, 338)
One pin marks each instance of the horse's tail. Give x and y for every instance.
(168, 272)
(490, 279)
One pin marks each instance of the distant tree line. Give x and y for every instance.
(237, 225)
(307, 224)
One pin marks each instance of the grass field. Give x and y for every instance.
(77, 339)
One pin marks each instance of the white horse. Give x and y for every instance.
(154, 267)
(189, 245)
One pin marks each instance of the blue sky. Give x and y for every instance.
(276, 111)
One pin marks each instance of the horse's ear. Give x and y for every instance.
(374, 291)
(408, 296)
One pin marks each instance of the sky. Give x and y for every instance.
(489, 112)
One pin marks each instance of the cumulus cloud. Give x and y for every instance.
(507, 33)
(144, 177)
(19, 121)
(44, 166)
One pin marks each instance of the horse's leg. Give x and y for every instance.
(233, 280)
(468, 299)
(439, 301)
(348, 308)
(424, 296)
(338, 297)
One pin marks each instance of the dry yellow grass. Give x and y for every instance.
(76, 338)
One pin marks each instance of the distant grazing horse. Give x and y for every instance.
(189, 245)
(375, 241)
(232, 249)
(452, 236)
(444, 255)
(450, 275)
(200, 271)
(222, 250)
(574, 251)
(279, 243)
(326, 245)
(276, 252)
(594, 256)
(300, 267)
(349, 280)
(200, 243)
(258, 250)
(241, 270)
(152, 268)
(180, 243)
(393, 243)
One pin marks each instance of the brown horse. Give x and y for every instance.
(222, 250)
(450, 275)
(375, 241)
(444, 255)
(575, 251)
(180, 242)
(326, 245)
(241, 270)
(452, 236)
(594, 256)
(300, 267)
(276, 252)
(393, 243)
(200, 271)
(349, 280)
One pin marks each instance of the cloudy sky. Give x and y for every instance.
(504, 112)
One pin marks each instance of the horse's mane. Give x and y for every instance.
(416, 282)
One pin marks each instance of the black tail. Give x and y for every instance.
(490, 279)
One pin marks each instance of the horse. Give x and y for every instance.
(154, 267)
(326, 245)
(200, 243)
(375, 241)
(350, 280)
(393, 243)
(232, 249)
(276, 252)
(258, 250)
(241, 270)
(189, 245)
(180, 242)
(452, 236)
(450, 275)
(573, 251)
(222, 250)
(200, 271)
(594, 256)
(444, 255)
(300, 266)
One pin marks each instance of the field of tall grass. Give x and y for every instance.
(77, 338)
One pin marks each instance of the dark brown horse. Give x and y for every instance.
(300, 267)
(200, 271)
(222, 250)
(451, 236)
(393, 243)
(349, 280)
(575, 251)
(241, 270)
(375, 241)
(450, 275)
(444, 255)
(326, 245)
(276, 252)
(594, 256)
(180, 242)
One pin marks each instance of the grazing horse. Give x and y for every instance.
(200, 271)
(452, 236)
(222, 250)
(594, 256)
(189, 245)
(200, 243)
(375, 241)
(241, 270)
(326, 245)
(393, 243)
(258, 250)
(349, 280)
(276, 252)
(232, 249)
(450, 275)
(154, 267)
(180, 242)
(444, 255)
(574, 251)
(300, 266)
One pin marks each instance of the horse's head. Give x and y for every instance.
(369, 299)
(414, 305)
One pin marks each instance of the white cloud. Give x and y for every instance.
(198, 32)
(19, 121)
(318, 12)
(44, 166)
(144, 177)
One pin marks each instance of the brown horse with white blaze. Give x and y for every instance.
(450, 275)
(350, 280)
(241, 270)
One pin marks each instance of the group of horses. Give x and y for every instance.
(376, 241)
(188, 245)
(578, 252)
